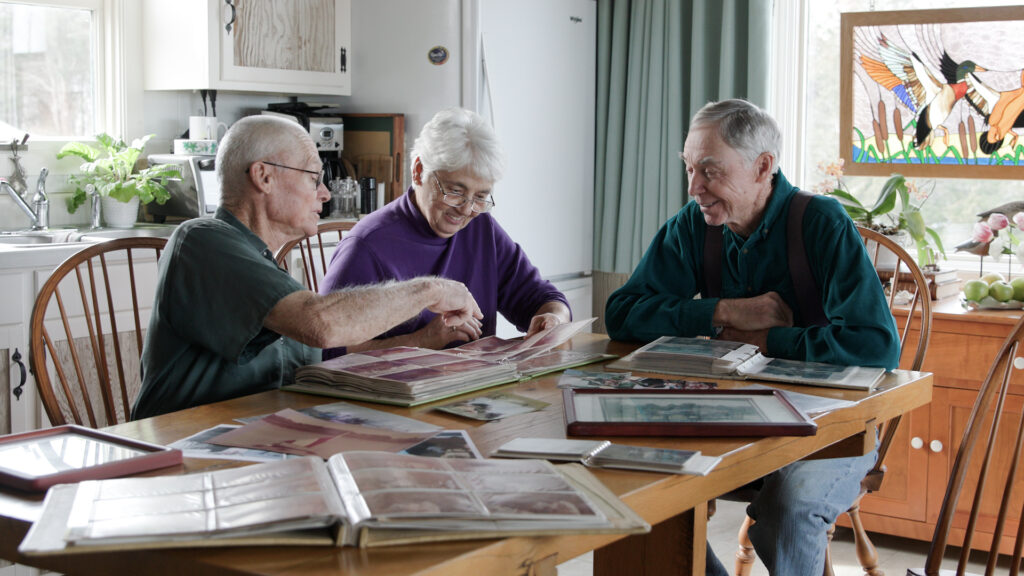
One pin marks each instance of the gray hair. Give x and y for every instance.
(456, 138)
(250, 140)
(743, 126)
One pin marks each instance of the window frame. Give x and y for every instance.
(106, 108)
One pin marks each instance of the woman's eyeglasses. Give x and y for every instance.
(457, 200)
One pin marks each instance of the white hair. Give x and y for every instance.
(456, 138)
(250, 140)
(743, 126)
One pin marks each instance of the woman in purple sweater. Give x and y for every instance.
(441, 227)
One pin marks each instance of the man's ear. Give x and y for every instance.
(417, 172)
(260, 177)
(764, 165)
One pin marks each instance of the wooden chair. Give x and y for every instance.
(314, 257)
(85, 364)
(993, 414)
(897, 272)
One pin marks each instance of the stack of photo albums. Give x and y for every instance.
(355, 498)
(407, 376)
(722, 359)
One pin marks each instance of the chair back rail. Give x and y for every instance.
(919, 315)
(314, 254)
(983, 424)
(79, 362)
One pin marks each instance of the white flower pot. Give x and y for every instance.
(117, 214)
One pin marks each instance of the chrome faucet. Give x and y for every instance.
(40, 202)
(40, 216)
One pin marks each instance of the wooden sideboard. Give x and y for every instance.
(963, 345)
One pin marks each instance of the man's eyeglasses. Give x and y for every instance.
(457, 200)
(319, 175)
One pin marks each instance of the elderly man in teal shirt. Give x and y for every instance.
(734, 182)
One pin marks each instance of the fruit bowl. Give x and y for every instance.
(990, 303)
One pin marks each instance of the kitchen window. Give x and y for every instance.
(51, 64)
(951, 207)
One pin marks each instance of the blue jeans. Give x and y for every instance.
(793, 511)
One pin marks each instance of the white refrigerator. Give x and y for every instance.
(528, 66)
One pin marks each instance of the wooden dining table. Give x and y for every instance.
(676, 506)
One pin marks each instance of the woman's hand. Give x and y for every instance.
(549, 315)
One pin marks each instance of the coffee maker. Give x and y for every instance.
(325, 126)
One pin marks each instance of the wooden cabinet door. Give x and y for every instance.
(903, 493)
(299, 43)
(951, 409)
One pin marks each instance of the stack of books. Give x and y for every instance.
(676, 354)
(941, 283)
(705, 358)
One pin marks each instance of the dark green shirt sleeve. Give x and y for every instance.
(658, 299)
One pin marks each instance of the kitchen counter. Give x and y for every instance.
(69, 241)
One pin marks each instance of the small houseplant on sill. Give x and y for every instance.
(115, 179)
(880, 217)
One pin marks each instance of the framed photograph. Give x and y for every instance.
(933, 93)
(608, 412)
(34, 461)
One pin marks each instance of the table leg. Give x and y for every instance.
(673, 547)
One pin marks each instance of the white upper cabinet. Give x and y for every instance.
(274, 46)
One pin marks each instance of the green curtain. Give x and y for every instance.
(658, 62)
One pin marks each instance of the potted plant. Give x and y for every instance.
(114, 178)
(897, 190)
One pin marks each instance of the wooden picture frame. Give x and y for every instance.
(718, 412)
(34, 461)
(930, 93)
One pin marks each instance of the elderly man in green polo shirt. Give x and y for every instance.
(226, 320)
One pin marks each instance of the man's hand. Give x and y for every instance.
(436, 335)
(758, 338)
(749, 314)
(455, 305)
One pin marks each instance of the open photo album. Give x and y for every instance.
(408, 376)
(353, 499)
(706, 358)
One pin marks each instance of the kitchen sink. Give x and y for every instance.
(139, 230)
(36, 237)
(30, 238)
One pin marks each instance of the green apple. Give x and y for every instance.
(975, 290)
(993, 277)
(1001, 291)
(1018, 288)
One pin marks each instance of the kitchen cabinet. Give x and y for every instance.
(962, 347)
(295, 47)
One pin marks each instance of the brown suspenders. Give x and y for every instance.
(808, 297)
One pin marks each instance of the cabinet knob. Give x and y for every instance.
(936, 446)
(1018, 362)
(916, 443)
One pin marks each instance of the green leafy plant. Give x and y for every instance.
(114, 174)
(880, 215)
